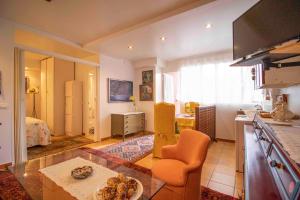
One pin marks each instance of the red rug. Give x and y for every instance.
(10, 188)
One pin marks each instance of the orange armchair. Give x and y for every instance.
(181, 166)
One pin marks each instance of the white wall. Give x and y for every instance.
(35, 82)
(6, 98)
(33, 71)
(116, 69)
(146, 106)
(82, 73)
(294, 98)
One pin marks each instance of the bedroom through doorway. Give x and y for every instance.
(60, 104)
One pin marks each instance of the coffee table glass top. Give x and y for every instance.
(38, 186)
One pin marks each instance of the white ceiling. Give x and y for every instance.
(185, 33)
(94, 24)
(84, 20)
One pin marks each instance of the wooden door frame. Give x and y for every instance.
(19, 141)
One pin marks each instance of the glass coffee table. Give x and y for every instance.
(40, 187)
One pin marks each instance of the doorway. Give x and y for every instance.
(60, 104)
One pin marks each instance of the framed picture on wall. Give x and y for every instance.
(119, 90)
(147, 77)
(146, 92)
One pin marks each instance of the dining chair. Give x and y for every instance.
(164, 127)
(189, 107)
(181, 166)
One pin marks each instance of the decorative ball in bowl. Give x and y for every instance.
(82, 172)
(119, 187)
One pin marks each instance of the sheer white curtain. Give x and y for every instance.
(213, 81)
(168, 89)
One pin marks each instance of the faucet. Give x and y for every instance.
(258, 107)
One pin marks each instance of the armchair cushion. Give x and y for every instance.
(169, 152)
(173, 172)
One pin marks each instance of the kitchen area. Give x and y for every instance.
(268, 137)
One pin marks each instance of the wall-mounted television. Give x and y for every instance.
(119, 90)
(266, 24)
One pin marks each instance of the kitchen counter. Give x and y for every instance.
(288, 136)
(276, 148)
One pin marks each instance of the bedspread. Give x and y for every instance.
(37, 132)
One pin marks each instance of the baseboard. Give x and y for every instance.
(148, 133)
(5, 166)
(106, 138)
(143, 133)
(225, 140)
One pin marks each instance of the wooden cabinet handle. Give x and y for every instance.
(262, 138)
(274, 163)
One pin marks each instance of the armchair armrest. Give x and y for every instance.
(169, 151)
(192, 167)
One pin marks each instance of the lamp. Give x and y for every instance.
(33, 91)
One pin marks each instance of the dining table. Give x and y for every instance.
(40, 187)
(184, 121)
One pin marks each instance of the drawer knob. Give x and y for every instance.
(274, 163)
(262, 138)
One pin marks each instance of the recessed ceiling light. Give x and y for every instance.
(208, 26)
(162, 38)
(130, 47)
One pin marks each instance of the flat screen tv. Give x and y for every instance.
(265, 25)
(119, 90)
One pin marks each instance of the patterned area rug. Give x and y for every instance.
(131, 150)
(57, 146)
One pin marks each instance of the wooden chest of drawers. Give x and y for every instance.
(127, 123)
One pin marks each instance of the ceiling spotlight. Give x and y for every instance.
(130, 47)
(208, 26)
(162, 38)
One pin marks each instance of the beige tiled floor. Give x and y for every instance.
(218, 172)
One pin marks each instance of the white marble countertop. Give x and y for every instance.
(289, 138)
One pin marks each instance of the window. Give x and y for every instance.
(217, 83)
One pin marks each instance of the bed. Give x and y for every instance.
(37, 132)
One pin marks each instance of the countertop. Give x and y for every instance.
(287, 133)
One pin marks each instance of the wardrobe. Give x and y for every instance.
(73, 109)
(54, 73)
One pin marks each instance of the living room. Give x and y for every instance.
(172, 95)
